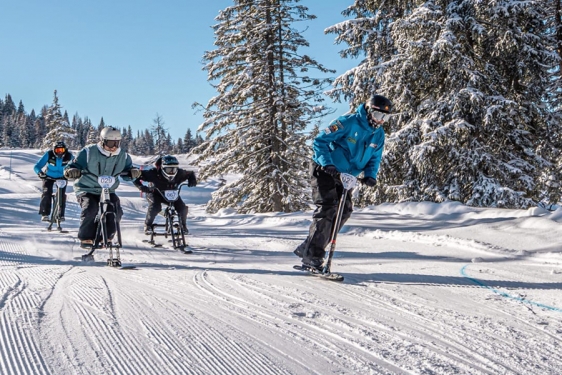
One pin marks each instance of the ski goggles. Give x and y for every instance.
(378, 115)
(110, 143)
(170, 170)
(60, 150)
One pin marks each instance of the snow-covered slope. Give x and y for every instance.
(429, 289)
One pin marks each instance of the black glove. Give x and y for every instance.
(191, 180)
(331, 170)
(146, 189)
(369, 181)
(72, 173)
(41, 175)
(135, 173)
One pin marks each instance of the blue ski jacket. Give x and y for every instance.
(351, 144)
(55, 165)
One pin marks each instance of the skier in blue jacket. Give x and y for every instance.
(353, 143)
(49, 167)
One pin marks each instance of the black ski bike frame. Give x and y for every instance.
(172, 226)
(349, 183)
(106, 210)
(56, 203)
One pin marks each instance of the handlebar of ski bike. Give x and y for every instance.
(338, 176)
(86, 173)
(53, 178)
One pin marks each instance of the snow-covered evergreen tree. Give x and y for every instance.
(160, 136)
(58, 129)
(40, 130)
(81, 132)
(188, 141)
(550, 146)
(25, 130)
(468, 80)
(93, 134)
(9, 134)
(101, 125)
(255, 125)
(127, 139)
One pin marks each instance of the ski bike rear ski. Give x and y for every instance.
(172, 226)
(349, 182)
(106, 211)
(56, 204)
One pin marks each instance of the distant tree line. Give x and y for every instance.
(19, 129)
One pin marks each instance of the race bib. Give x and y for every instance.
(171, 195)
(106, 182)
(348, 181)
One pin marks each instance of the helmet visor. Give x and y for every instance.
(378, 115)
(60, 150)
(170, 171)
(109, 143)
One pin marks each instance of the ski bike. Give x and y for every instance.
(348, 182)
(106, 211)
(172, 226)
(56, 203)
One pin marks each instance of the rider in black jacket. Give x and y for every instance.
(166, 176)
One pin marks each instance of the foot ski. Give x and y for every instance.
(314, 272)
(154, 244)
(115, 264)
(185, 250)
(56, 230)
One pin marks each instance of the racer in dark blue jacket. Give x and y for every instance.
(353, 143)
(52, 165)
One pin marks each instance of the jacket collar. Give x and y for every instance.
(362, 117)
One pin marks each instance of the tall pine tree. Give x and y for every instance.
(256, 124)
(58, 129)
(468, 83)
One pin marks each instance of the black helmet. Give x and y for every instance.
(169, 166)
(378, 110)
(378, 103)
(59, 148)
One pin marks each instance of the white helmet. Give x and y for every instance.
(110, 137)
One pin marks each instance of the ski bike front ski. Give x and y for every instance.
(314, 272)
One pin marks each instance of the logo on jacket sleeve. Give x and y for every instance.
(334, 127)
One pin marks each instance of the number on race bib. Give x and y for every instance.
(106, 182)
(348, 181)
(171, 195)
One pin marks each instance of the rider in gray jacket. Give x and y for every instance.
(104, 158)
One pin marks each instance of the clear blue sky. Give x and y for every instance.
(128, 60)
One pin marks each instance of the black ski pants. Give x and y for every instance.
(155, 201)
(46, 198)
(90, 206)
(326, 194)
